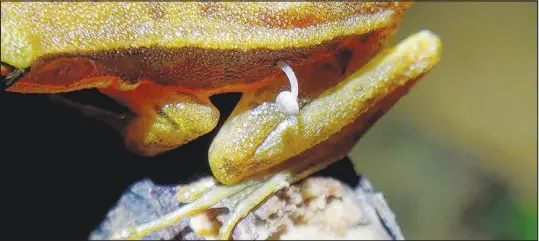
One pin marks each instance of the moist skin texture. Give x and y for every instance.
(210, 46)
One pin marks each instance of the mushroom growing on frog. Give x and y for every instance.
(163, 60)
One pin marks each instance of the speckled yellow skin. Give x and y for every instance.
(164, 60)
(319, 119)
(34, 29)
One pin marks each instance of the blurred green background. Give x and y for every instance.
(457, 157)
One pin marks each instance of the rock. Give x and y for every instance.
(315, 208)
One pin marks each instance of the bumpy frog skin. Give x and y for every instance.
(164, 60)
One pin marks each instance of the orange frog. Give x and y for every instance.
(314, 77)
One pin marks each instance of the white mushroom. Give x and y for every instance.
(287, 100)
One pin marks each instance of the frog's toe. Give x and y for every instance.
(218, 196)
(247, 199)
(239, 199)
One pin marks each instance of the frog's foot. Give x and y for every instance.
(245, 200)
(239, 199)
(164, 117)
(216, 196)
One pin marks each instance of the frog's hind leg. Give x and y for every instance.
(165, 118)
(326, 128)
(259, 141)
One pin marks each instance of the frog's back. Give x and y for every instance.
(196, 45)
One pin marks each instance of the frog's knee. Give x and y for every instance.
(171, 125)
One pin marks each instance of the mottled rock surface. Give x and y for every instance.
(316, 208)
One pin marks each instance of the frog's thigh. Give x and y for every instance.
(165, 118)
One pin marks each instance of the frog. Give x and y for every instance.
(314, 77)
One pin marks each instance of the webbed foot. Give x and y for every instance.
(239, 198)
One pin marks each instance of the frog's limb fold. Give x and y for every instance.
(260, 150)
(165, 118)
(257, 136)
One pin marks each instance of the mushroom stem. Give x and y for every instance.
(291, 77)
(287, 100)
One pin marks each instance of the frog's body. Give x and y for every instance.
(164, 60)
(203, 47)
